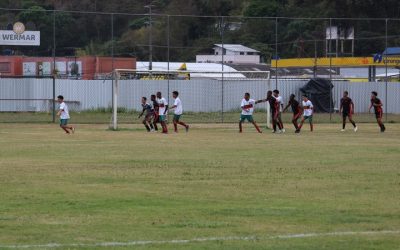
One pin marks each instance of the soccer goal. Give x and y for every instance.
(208, 96)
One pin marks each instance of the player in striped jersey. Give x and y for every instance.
(377, 104)
(296, 108)
(149, 114)
(274, 107)
(347, 110)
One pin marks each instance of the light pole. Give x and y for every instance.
(150, 35)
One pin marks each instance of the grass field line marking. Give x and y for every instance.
(194, 240)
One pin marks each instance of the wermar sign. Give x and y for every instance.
(19, 36)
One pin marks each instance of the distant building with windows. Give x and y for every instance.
(231, 53)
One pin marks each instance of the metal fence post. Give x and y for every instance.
(386, 70)
(276, 53)
(54, 67)
(222, 63)
(330, 68)
(168, 53)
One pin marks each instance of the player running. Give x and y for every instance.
(308, 110)
(347, 110)
(377, 104)
(296, 108)
(162, 110)
(156, 113)
(63, 113)
(178, 110)
(148, 109)
(274, 108)
(247, 107)
(279, 101)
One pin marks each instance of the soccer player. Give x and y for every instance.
(148, 109)
(279, 101)
(247, 107)
(274, 108)
(347, 110)
(63, 113)
(296, 108)
(178, 110)
(308, 110)
(377, 104)
(162, 110)
(156, 113)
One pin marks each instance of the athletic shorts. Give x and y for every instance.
(378, 114)
(296, 115)
(162, 118)
(64, 122)
(177, 117)
(274, 114)
(246, 117)
(346, 114)
(149, 117)
(308, 117)
(156, 118)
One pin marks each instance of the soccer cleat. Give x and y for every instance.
(283, 130)
(297, 131)
(73, 130)
(279, 131)
(273, 131)
(342, 130)
(355, 129)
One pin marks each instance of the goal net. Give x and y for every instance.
(207, 97)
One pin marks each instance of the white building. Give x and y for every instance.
(231, 53)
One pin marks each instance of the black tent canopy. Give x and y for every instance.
(319, 91)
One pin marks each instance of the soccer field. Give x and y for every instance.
(211, 188)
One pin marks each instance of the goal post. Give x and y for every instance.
(205, 93)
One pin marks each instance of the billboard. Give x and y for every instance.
(19, 36)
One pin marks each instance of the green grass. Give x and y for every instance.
(106, 186)
(100, 116)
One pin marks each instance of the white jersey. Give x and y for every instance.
(178, 110)
(280, 100)
(308, 108)
(247, 106)
(162, 103)
(64, 111)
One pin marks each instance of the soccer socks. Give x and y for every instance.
(257, 128)
(147, 127)
(183, 124)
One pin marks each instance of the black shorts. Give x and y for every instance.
(378, 114)
(296, 115)
(346, 114)
(156, 118)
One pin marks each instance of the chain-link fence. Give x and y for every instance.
(79, 51)
(204, 100)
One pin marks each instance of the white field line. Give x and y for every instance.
(194, 240)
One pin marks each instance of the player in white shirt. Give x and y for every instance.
(178, 110)
(162, 110)
(247, 107)
(308, 111)
(279, 101)
(63, 113)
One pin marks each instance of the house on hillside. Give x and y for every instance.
(231, 53)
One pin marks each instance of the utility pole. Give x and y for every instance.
(150, 35)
